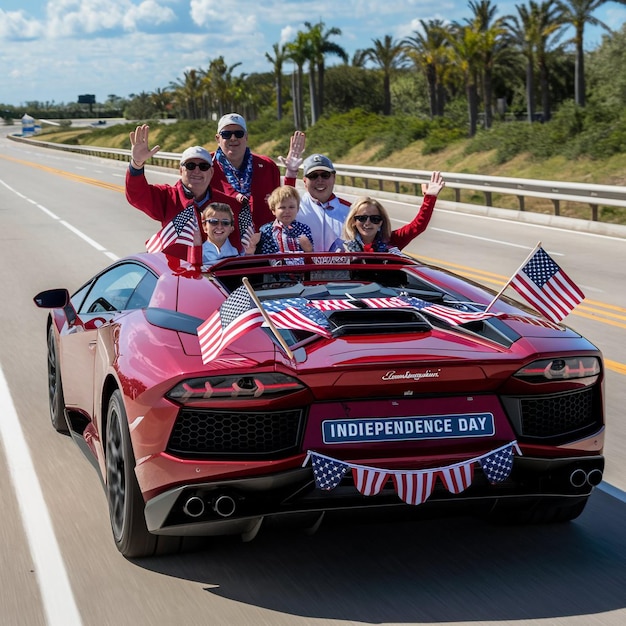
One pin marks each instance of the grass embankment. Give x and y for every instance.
(456, 157)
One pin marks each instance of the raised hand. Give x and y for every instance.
(140, 152)
(294, 158)
(435, 185)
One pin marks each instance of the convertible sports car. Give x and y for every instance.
(213, 399)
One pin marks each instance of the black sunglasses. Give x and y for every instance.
(227, 134)
(316, 175)
(191, 166)
(375, 219)
(214, 221)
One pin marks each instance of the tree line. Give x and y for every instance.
(493, 66)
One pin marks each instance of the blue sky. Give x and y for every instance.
(53, 51)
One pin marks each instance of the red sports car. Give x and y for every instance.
(212, 399)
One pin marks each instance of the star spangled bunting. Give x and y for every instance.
(332, 305)
(498, 464)
(327, 472)
(457, 478)
(369, 481)
(293, 313)
(447, 313)
(543, 284)
(180, 230)
(237, 315)
(414, 487)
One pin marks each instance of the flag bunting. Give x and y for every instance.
(413, 486)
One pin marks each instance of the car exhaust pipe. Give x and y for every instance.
(224, 505)
(594, 477)
(194, 507)
(578, 478)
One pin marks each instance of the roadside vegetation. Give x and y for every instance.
(502, 95)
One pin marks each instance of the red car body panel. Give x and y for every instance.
(361, 384)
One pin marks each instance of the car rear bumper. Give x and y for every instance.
(240, 506)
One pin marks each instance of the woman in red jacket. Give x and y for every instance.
(368, 227)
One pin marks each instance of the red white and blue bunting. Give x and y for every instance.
(413, 486)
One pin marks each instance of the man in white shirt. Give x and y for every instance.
(320, 209)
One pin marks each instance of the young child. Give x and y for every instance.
(284, 234)
(218, 223)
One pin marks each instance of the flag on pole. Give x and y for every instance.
(246, 226)
(181, 229)
(293, 313)
(543, 284)
(449, 314)
(237, 315)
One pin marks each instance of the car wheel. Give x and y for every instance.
(55, 388)
(126, 504)
(541, 512)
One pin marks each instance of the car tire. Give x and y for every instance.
(56, 401)
(126, 504)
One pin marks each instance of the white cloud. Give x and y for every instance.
(16, 25)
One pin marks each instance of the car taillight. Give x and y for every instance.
(234, 386)
(568, 368)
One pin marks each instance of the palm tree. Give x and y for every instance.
(493, 43)
(578, 13)
(466, 48)
(187, 94)
(389, 55)
(320, 47)
(277, 62)
(298, 52)
(549, 31)
(523, 32)
(427, 50)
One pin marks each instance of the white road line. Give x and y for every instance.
(56, 592)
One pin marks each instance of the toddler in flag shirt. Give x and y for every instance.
(285, 234)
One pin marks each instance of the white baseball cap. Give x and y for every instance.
(231, 118)
(196, 152)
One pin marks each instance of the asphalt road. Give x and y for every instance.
(64, 217)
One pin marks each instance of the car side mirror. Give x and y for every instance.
(52, 299)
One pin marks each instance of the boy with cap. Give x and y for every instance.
(320, 209)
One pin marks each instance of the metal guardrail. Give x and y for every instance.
(382, 178)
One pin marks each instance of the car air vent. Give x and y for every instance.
(377, 321)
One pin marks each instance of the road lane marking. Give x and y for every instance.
(56, 592)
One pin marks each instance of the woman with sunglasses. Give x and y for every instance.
(368, 228)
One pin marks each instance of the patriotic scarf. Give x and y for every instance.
(378, 245)
(240, 182)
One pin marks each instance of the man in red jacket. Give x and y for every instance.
(246, 177)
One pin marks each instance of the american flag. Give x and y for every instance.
(293, 313)
(414, 487)
(457, 478)
(368, 480)
(327, 472)
(236, 316)
(180, 230)
(447, 313)
(543, 284)
(332, 305)
(498, 464)
(385, 303)
(246, 226)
